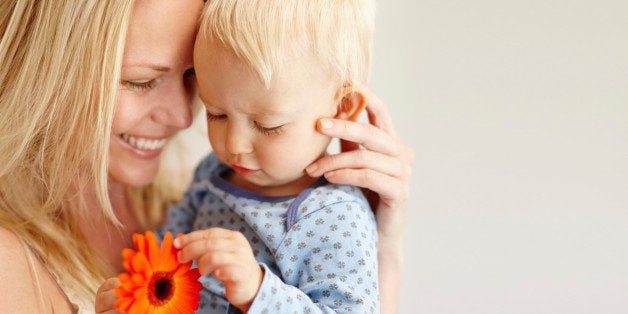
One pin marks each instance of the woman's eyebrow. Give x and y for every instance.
(153, 66)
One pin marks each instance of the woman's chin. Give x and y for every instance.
(133, 167)
(134, 176)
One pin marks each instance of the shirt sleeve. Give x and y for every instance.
(328, 264)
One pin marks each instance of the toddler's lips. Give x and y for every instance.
(242, 170)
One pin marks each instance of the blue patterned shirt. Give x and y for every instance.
(318, 248)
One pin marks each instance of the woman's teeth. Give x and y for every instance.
(143, 143)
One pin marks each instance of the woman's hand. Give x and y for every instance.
(383, 169)
(384, 166)
(106, 298)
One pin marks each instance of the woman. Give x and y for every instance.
(90, 91)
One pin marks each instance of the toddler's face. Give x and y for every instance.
(267, 135)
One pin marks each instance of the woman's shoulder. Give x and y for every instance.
(13, 252)
(26, 287)
(17, 288)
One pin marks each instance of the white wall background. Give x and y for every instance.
(518, 114)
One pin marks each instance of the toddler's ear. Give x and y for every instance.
(352, 102)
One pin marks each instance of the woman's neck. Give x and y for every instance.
(107, 239)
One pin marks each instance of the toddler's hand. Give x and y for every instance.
(228, 256)
(106, 298)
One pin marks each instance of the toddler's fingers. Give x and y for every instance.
(200, 235)
(238, 272)
(209, 263)
(196, 249)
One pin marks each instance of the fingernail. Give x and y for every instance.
(177, 243)
(311, 168)
(326, 124)
(329, 174)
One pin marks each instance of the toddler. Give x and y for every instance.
(274, 239)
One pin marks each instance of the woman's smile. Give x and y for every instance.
(144, 148)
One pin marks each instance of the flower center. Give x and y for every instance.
(161, 288)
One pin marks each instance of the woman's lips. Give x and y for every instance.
(242, 170)
(143, 148)
(143, 143)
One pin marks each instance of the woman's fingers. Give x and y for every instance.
(366, 135)
(109, 284)
(358, 159)
(383, 166)
(378, 112)
(392, 191)
(106, 297)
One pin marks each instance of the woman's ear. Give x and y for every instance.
(352, 102)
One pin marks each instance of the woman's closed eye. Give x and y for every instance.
(215, 117)
(139, 85)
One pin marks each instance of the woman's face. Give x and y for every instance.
(157, 87)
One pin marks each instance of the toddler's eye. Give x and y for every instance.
(276, 130)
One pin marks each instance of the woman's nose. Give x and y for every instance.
(175, 107)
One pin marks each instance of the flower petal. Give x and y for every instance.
(135, 294)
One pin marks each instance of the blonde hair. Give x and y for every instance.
(61, 63)
(338, 32)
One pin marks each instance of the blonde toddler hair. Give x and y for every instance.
(338, 32)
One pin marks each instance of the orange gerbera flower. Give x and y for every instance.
(156, 281)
